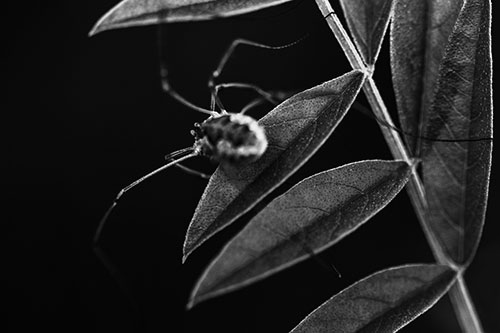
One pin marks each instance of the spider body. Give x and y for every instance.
(227, 138)
(230, 138)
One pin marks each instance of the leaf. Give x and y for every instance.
(368, 21)
(383, 302)
(314, 214)
(295, 130)
(131, 13)
(419, 34)
(456, 174)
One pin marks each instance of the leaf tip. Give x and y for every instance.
(187, 249)
(194, 297)
(191, 243)
(105, 22)
(94, 31)
(191, 303)
(99, 26)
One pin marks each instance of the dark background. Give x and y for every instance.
(85, 116)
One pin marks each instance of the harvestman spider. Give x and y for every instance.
(223, 137)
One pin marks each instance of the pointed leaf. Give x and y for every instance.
(419, 34)
(295, 130)
(456, 174)
(131, 13)
(368, 21)
(383, 302)
(314, 214)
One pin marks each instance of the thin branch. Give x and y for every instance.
(462, 303)
(394, 141)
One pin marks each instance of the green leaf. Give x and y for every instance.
(456, 174)
(132, 13)
(419, 35)
(295, 130)
(368, 21)
(313, 215)
(383, 302)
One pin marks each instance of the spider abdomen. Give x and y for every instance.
(231, 137)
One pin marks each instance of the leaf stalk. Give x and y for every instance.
(462, 303)
(464, 307)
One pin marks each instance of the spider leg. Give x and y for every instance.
(215, 100)
(240, 41)
(273, 97)
(189, 170)
(193, 171)
(301, 240)
(165, 84)
(171, 157)
(193, 153)
(118, 278)
(264, 94)
(254, 103)
(103, 257)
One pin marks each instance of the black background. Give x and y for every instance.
(82, 117)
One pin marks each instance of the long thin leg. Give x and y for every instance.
(227, 55)
(171, 157)
(189, 170)
(230, 50)
(273, 97)
(193, 171)
(165, 85)
(254, 103)
(329, 267)
(103, 257)
(301, 240)
(115, 275)
(130, 186)
(266, 95)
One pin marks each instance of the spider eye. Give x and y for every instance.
(197, 132)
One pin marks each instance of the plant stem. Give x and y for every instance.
(415, 188)
(461, 301)
(394, 141)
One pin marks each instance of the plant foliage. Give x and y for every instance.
(441, 68)
(295, 130)
(313, 215)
